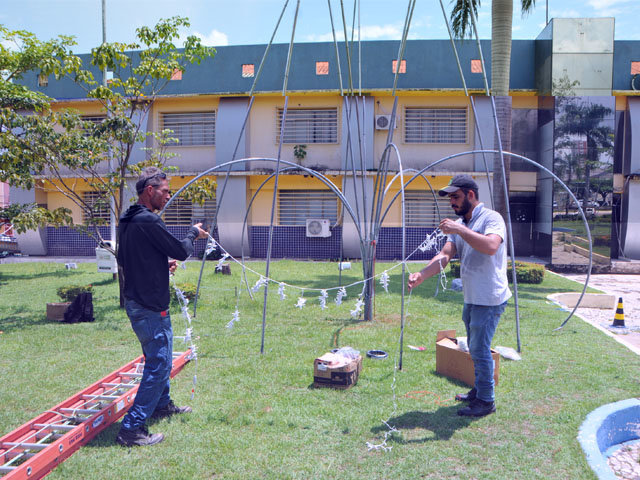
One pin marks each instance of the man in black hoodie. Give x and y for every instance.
(144, 249)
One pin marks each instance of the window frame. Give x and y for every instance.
(436, 133)
(317, 204)
(314, 130)
(202, 138)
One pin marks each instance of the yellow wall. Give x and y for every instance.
(418, 155)
(263, 131)
(394, 217)
(260, 213)
(189, 159)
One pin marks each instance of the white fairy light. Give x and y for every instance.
(211, 246)
(384, 281)
(221, 261)
(301, 302)
(355, 313)
(432, 240)
(323, 299)
(340, 295)
(234, 318)
(281, 286)
(259, 284)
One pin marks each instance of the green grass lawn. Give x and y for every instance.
(257, 416)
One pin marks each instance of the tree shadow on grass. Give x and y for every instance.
(421, 427)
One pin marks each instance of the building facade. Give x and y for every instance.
(573, 64)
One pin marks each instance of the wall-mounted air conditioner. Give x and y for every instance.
(318, 227)
(383, 122)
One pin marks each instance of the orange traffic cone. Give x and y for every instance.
(618, 319)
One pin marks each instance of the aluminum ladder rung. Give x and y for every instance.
(7, 469)
(100, 397)
(51, 426)
(118, 385)
(79, 411)
(131, 374)
(34, 446)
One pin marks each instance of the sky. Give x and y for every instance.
(246, 22)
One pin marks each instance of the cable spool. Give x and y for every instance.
(377, 354)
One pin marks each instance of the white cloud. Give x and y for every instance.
(367, 32)
(214, 38)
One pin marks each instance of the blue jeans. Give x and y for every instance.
(156, 337)
(481, 322)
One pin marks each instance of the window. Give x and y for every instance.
(295, 206)
(43, 80)
(420, 209)
(635, 68)
(248, 70)
(184, 213)
(95, 119)
(322, 68)
(97, 203)
(435, 125)
(177, 74)
(305, 125)
(198, 128)
(179, 212)
(403, 66)
(476, 66)
(204, 213)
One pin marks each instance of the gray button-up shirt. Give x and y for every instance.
(484, 277)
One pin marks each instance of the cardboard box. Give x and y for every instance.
(341, 375)
(453, 362)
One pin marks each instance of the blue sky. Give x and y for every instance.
(241, 22)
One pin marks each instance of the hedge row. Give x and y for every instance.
(525, 272)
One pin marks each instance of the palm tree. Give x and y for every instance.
(582, 120)
(501, 34)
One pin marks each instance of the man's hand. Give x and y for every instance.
(173, 264)
(415, 279)
(201, 233)
(450, 227)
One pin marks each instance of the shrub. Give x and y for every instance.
(70, 292)
(187, 289)
(601, 240)
(525, 272)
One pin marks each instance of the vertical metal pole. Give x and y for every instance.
(112, 200)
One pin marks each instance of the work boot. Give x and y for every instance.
(140, 437)
(169, 409)
(478, 408)
(470, 396)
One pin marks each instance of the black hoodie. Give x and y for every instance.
(144, 248)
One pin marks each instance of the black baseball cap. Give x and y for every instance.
(458, 182)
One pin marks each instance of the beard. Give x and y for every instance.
(464, 208)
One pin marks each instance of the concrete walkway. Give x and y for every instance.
(622, 286)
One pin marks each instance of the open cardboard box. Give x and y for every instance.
(453, 362)
(342, 376)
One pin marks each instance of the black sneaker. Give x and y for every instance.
(170, 409)
(478, 408)
(140, 437)
(470, 396)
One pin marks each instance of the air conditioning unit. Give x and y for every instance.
(383, 122)
(318, 227)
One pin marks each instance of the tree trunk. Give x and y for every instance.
(501, 26)
(503, 112)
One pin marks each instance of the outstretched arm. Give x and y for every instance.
(433, 267)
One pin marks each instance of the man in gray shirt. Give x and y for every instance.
(478, 237)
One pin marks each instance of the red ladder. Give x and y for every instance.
(37, 447)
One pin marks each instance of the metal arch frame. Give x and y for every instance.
(541, 167)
